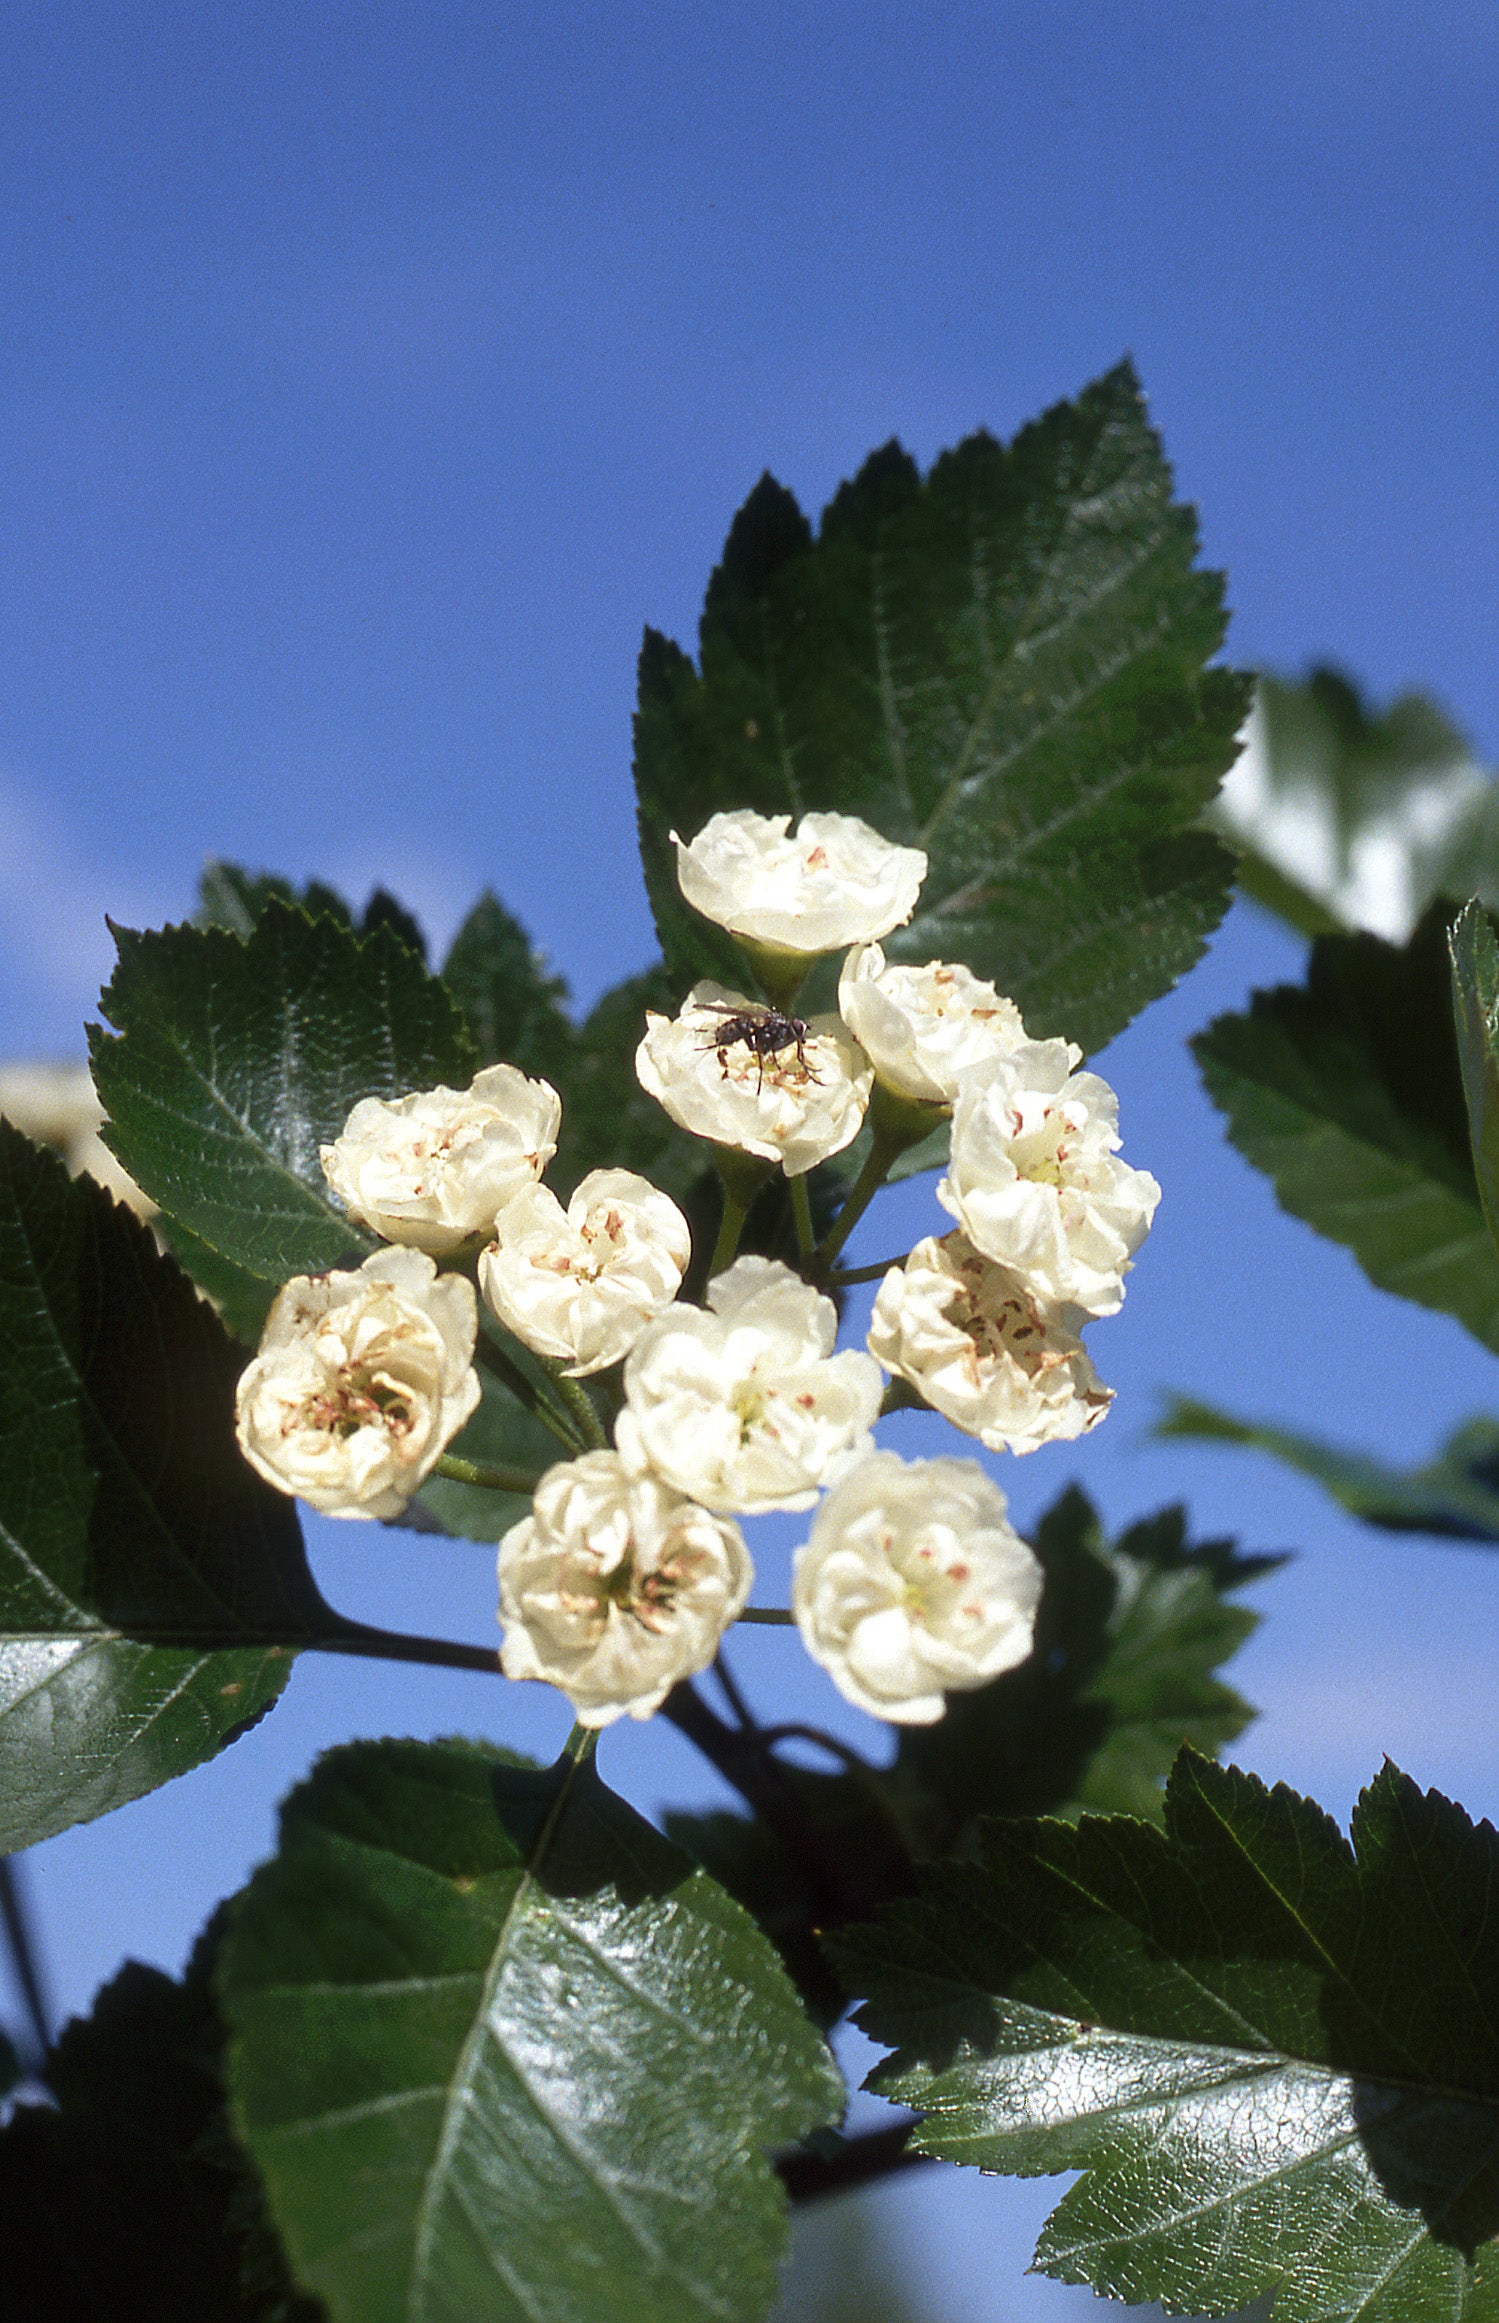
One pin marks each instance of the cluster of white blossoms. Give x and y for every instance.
(621, 1580)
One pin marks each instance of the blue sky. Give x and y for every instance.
(369, 375)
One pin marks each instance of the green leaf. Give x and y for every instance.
(1344, 816)
(152, 1590)
(1274, 2057)
(1129, 1639)
(234, 1059)
(1346, 1092)
(515, 1009)
(236, 900)
(501, 2052)
(1456, 1495)
(1004, 663)
(1475, 1005)
(136, 2200)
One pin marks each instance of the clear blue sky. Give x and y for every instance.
(370, 374)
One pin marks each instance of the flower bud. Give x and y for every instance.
(714, 1069)
(913, 1586)
(615, 1588)
(1033, 1181)
(837, 882)
(924, 1028)
(580, 1284)
(436, 1167)
(746, 1407)
(973, 1341)
(361, 1380)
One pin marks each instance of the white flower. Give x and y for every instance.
(837, 882)
(1033, 1181)
(581, 1284)
(794, 1105)
(361, 1380)
(913, 1585)
(923, 1029)
(614, 1587)
(976, 1345)
(747, 1407)
(438, 1166)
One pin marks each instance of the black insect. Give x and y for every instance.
(766, 1032)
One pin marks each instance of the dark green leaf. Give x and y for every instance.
(1346, 1092)
(515, 1009)
(1456, 1495)
(242, 1299)
(1475, 1005)
(1129, 1639)
(236, 900)
(1003, 663)
(501, 2052)
(136, 2201)
(383, 911)
(1347, 816)
(152, 1589)
(1275, 2060)
(234, 1059)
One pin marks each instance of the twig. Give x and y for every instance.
(874, 2153)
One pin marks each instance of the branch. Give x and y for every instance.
(21, 1941)
(874, 2153)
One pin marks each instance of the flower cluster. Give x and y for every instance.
(622, 1578)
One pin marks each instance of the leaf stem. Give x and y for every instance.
(487, 1476)
(394, 1645)
(861, 1193)
(582, 1409)
(801, 1211)
(730, 1227)
(525, 1391)
(844, 1277)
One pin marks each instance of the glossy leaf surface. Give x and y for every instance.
(235, 1058)
(1003, 663)
(1346, 1092)
(152, 1589)
(501, 2052)
(1455, 1496)
(1274, 2057)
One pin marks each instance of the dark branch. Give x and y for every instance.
(874, 2153)
(21, 1942)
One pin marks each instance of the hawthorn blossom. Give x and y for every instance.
(794, 1105)
(580, 1284)
(913, 1586)
(974, 1342)
(923, 1029)
(436, 1167)
(361, 1380)
(1034, 1183)
(835, 883)
(745, 1407)
(615, 1587)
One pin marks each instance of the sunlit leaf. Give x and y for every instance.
(1274, 2057)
